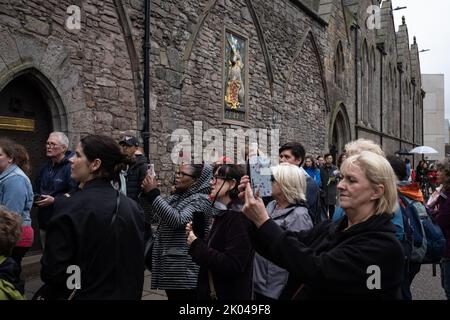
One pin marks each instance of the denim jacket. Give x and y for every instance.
(16, 192)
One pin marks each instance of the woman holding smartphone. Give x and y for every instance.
(226, 256)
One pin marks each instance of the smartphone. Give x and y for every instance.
(258, 168)
(37, 197)
(198, 224)
(151, 169)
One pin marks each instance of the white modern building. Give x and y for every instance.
(434, 122)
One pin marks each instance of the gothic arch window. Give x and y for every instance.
(395, 78)
(339, 66)
(372, 87)
(390, 99)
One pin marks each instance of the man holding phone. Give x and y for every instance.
(136, 168)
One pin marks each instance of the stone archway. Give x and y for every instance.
(339, 134)
(48, 66)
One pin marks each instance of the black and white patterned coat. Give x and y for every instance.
(172, 266)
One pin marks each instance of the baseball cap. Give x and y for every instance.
(130, 141)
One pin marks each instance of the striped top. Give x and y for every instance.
(172, 266)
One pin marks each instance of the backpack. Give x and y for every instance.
(321, 210)
(415, 242)
(436, 242)
(427, 237)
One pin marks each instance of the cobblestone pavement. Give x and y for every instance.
(424, 287)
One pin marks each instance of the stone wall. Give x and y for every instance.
(90, 68)
(383, 66)
(286, 88)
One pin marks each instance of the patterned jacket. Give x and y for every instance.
(172, 266)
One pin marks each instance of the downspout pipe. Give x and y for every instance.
(401, 107)
(355, 27)
(145, 134)
(414, 114)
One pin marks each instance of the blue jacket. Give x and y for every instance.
(53, 181)
(397, 220)
(315, 174)
(16, 192)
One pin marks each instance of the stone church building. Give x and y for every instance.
(322, 72)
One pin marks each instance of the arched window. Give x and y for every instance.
(371, 103)
(365, 67)
(390, 98)
(339, 66)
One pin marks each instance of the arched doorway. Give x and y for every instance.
(339, 130)
(26, 117)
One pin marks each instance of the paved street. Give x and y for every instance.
(33, 284)
(425, 287)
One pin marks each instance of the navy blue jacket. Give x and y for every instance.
(53, 181)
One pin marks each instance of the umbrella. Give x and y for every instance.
(404, 152)
(423, 150)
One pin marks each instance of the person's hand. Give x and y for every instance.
(241, 187)
(188, 228)
(190, 234)
(254, 208)
(46, 201)
(149, 183)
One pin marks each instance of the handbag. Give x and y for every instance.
(43, 294)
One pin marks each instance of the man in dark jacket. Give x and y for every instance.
(137, 167)
(54, 178)
(294, 153)
(329, 175)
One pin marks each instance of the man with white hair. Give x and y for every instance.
(53, 179)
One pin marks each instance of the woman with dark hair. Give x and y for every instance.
(312, 170)
(22, 159)
(341, 159)
(172, 268)
(441, 208)
(226, 256)
(16, 192)
(96, 229)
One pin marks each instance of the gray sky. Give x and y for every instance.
(427, 20)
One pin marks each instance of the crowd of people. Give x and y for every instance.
(320, 235)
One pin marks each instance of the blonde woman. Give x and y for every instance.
(290, 212)
(357, 258)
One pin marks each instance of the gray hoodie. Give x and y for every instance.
(269, 279)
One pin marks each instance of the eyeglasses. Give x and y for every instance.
(183, 174)
(51, 145)
(214, 179)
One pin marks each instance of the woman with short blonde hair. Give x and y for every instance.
(338, 260)
(289, 210)
(379, 172)
(292, 182)
(357, 146)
